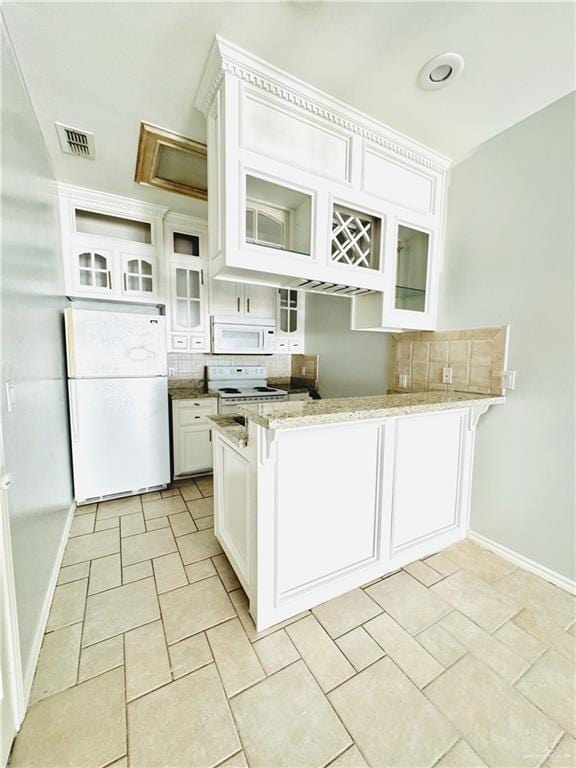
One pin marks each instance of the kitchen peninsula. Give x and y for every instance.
(312, 499)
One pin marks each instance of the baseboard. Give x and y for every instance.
(524, 562)
(41, 629)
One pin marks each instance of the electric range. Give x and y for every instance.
(243, 385)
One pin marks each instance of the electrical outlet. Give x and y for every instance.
(9, 389)
(508, 379)
(446, 375)
(171, 372)
(303, 371)
(403, 380)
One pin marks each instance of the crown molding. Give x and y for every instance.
(226, 59)
(183, 220)
(104, 200)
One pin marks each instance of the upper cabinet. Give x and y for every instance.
(187, 284)
(290, 321)
(111, 246)
(242, 301)
(307, 193)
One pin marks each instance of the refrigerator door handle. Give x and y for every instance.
(74, 413)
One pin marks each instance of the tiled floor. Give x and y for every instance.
(151, 659)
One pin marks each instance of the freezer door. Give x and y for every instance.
(114, 344)
(120, 439)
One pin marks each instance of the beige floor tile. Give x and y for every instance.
(442, 564)
(323, 657)
(195, 727)
(226, 573)
(73, 573)
(189, 654)
(236, 761)
(346, 612)
(146, 660)
(497, 722)
(182, 524)
(480, 601)
(67, 605)
(550, 684)
(58, 662)
(240, 601)
(152, 496)
(482, 645)
(119, 507)
(190, 492)
(101, 657)
(423, 573)
(276, 651)
(205, 523)
(122, 763)
(156, 523)
(85, 509)
(519, 642)
(461, 756)
(137, 571)
(169, 572)
(145, 546)
(537, 624)
(164, 507)
(564, 754)
(408, 602)
(119, 610)
(206, 485)
(191, 609)
(91, 546)
(169, 492)
(107, 524)
(285, 722)
(203, 569)
(359, 648)
(234, 656)
(201, 507)
(131, 524)
(105, 573)
(198, 546)
(410, 656)
(82, 524)
(530, 591)
(391, 722)
(440, 644)
(477, 560)
(82, 726)
(349, 759)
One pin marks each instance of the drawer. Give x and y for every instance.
(197, 343)
(189, 413)
(179, 342)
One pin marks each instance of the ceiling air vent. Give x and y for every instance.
(75, 142)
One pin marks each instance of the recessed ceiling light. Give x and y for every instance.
(440, 71)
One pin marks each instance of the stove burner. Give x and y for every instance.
(264, 389)
(229, 391)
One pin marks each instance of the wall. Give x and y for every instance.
(36, 432)
(510, 259)
(352, 363)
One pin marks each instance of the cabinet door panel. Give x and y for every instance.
(226, 298)
(259, 301)
(92, 270)
(193, 450)
(138, 276)
(426, 476)
(232, 506)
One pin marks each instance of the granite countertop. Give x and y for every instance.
(188, 390)
(235, 432)
(285, 415)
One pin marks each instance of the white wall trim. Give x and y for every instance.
(524, 562)
(28, 673)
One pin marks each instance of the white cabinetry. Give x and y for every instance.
(290, 321)
(185, 247)
(242, 300)
(111, 246)
(191, 435)
(308, 193)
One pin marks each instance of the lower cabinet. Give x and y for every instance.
(192, 436)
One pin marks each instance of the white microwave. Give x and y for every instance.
(256, 338)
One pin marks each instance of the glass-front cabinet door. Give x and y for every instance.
(92, 270)
(138, 276)
(288, 311)
(188, 303)
(290, 321)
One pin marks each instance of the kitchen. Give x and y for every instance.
(283, 356)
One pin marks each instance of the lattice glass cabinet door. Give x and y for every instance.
(93, 270)
(288, 320)
(138, 275)
(411, 268)
(188, 298)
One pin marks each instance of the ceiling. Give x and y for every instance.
(104, 67)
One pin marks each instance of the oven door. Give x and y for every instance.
(230, 338)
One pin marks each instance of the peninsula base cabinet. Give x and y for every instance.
(192, 436)
(305, 514)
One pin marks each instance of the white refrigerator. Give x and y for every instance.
(118, 395)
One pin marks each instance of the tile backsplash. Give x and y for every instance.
(477, 357)
(188, 366)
